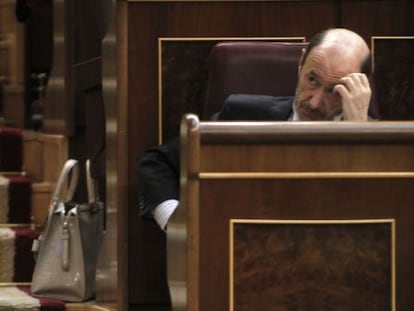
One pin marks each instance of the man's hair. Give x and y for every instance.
(318, 39)
(315, 41)
(366, 66)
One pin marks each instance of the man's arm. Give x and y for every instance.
(158, 170)
(158, 181)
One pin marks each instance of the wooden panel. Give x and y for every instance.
(44, 155)
(314, 265)
(378, 18)
(12, 46)
(117, 162)
(329, 158)
(357, 191)
(149, 21)
(393, 60)
(41, 195)
(282, 199)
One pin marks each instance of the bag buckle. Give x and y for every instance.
(65, 242)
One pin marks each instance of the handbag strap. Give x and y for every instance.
(71, 166)
(90, 183)
(95, 205)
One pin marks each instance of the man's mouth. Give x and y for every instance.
(310, 115)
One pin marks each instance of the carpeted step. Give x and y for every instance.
(15, 199)
(19, 298)
(11, 149)
(16, 257)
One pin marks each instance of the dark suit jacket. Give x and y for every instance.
(158, 170)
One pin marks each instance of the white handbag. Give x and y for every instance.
(68, 248)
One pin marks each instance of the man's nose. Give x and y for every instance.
(317, 99)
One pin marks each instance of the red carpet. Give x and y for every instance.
(11, 153)
(16, 235)
(20, 195)
(19, 298)
(16, 257)
(15, 199)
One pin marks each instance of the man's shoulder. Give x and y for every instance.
(256, 107)
(252, 98)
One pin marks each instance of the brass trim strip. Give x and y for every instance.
(392, 37)
(5, 284)
(231, 265)
(278, 39)
(303, 175)
(312, 221)
(162, 1)
(13, 173)
(159, 91)
(393, 267)
(16, 225)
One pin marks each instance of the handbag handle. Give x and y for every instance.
(70, 166)
(90, 184)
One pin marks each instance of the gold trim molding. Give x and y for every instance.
(162, 1)
(302, 175)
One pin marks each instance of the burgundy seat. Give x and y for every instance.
(266, 68)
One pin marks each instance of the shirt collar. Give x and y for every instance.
(295, 117)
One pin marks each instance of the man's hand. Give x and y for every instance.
(355, 92)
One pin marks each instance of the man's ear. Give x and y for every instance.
(301, 60)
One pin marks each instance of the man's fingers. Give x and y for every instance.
(355, 80)
(355, 92)
(352, 82)
(364, 80)
(341, 90)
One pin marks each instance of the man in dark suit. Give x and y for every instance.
(332, 85)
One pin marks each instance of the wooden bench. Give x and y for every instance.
(264, 205)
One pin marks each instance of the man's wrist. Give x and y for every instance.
(163, 212)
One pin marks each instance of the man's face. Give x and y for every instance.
(315, 98)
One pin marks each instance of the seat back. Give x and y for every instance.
(260, 67)
(256, 67)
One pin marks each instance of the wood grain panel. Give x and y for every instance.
(325, 158)
(148, 21)
(210, 203)
(314, 265)
(297, 199)
(378, 18)
(393, 60)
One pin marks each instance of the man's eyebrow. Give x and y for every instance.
(330, 85)
(313, 73)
